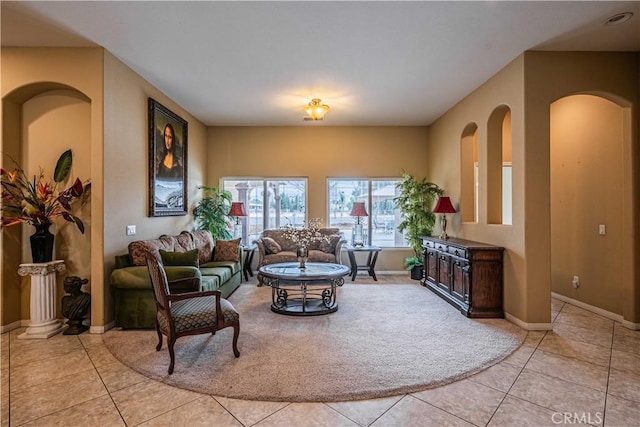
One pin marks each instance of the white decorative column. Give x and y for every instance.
(44, 321)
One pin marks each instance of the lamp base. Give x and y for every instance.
(443, 225)
(357, 239)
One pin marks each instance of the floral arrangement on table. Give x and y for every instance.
(309, 232)
(38, 202)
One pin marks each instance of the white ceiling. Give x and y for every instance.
(375, 63)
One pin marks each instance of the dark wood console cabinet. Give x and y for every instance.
(466, 274)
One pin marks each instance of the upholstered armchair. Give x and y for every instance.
(188, 313)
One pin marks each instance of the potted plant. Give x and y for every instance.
(39, 202)
(415, 201)
(212, 212)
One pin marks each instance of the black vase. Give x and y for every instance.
(41, 244)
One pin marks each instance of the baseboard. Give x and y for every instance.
(599, 311)
(11, 326)
(101, 329)
(528, 326)
(364, 273)
(630, 325)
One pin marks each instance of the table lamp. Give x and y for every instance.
(358, 210)
(444, 207)
(237, 210)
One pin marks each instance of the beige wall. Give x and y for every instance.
(528, 86)
(118, 158)
(505, 88)
(126, 152)
(318, 153)
(614, 76)
(27, 73)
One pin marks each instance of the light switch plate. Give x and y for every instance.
(131, 230)
(602, 229)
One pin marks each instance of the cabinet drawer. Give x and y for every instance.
(459, 252)
(428, 244)
(441, 247)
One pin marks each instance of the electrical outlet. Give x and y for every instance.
(131, 230)
(575, 282)
(602, 229)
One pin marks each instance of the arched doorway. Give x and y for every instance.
(588, 229)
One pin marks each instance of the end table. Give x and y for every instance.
(370, 266)
(248, 253)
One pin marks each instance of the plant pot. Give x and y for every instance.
(417, 272)
(41, 244)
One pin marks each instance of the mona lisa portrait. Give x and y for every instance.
(167, 162)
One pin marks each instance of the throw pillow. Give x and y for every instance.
(271, 246)
(188, 258)
(227, 250)
(330, 245)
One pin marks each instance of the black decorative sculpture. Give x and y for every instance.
(75, 306)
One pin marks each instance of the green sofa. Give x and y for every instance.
(131, 285)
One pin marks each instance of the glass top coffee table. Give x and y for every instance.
(306, 291)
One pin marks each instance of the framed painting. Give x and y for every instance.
(167, 162)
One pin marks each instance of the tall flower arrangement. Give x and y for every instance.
(309, 232)
(38, 201)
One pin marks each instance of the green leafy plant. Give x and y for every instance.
(212, 212)
(416, 202)
(38, 202)
(413, 261)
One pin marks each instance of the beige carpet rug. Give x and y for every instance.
(384, 340)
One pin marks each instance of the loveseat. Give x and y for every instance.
(189, 254)
(274, 246)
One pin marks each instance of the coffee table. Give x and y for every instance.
(304, 292)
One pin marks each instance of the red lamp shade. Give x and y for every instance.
(358, 209)
(237, 209)
(444, 206)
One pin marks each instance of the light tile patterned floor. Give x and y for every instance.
(587, 371)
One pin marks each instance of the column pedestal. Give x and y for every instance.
(44, 323)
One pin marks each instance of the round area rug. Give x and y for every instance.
(384, 340)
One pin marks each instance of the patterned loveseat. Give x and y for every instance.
(189, 254)
(274, 247)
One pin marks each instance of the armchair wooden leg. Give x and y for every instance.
(159, 346)
(170, 342)
(236, 332)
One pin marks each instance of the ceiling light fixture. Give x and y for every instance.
(316, 110)
(618, 18)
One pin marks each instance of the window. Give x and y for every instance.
(270, 203)
(381, 224)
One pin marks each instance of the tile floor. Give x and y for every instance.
(586, 372)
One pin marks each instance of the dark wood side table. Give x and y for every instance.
(370, 266)
(248, 251)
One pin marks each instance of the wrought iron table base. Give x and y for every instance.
(304, 298)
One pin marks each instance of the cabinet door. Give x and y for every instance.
(460, 282)
(444, 272)
(431, 266)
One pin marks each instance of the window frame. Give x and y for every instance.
(369, 227)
